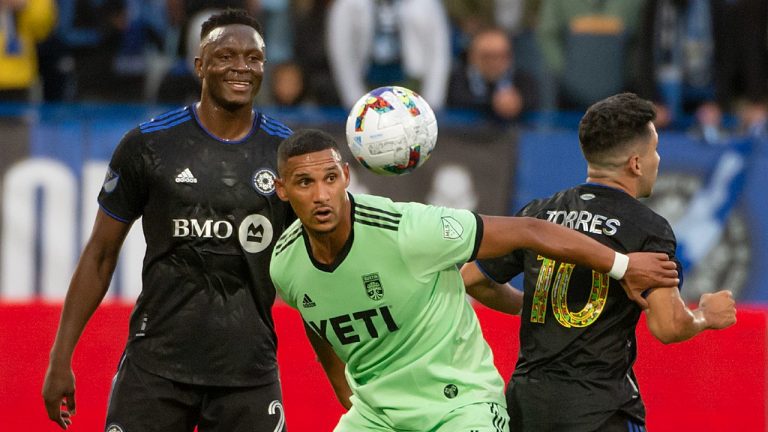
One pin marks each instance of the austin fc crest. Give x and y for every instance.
(373, 286)
(263, 181)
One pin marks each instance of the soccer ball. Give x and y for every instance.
(391, 130)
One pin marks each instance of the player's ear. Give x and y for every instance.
(199, 67)
(634, 165)
(345, 170)
(280, 189)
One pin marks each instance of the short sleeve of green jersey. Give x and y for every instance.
(435, 238)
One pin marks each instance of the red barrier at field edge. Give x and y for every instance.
(715, 382)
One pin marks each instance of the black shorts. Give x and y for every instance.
(620, 422)
(145, 402)
(542, 405)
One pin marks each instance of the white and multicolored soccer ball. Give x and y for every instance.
(391, 130)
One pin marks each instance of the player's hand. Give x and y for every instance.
(59, 395)
(648, 270)
(719, 309)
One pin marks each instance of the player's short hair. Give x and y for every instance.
(614, 124)
(228, 17)
(303, 142)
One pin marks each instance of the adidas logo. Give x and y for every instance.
(186, 177)
(307, 302)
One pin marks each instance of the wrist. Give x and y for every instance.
(619, 267)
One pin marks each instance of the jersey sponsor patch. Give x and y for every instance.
(452, 229)
(373, 286)
(113, 427)
(110, 181)
(255, 233)
(587, 196)
(263, 181)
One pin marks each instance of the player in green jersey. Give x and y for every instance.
(378, 287)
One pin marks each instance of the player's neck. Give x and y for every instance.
(326, 246)
(616, 183)
(229, 125)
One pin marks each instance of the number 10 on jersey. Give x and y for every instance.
(562, 278)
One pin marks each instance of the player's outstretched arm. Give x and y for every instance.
(87, 288)
(670, 320)
(332, 365)
(638, 271)
(501, 297)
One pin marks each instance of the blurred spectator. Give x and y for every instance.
(741, 60)
(180, 85)
(384, 42)
(590, 48)
(278, 29)
(310, 41)
(487, 81)
(23, 23)
(677, 58)
(287, 87)
(104, 46)
(467, 17)
(702, 58)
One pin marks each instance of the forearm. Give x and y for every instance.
(503, 235)
(683, 326)
(500, 297)
(87, 289)
(669, 319)
(332, 365)
(340, 385)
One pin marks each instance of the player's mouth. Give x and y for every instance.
(239, 85)
(323, 214)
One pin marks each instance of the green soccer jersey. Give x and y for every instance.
(393, 307)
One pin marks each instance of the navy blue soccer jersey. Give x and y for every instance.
(577, 334)
(210, 217)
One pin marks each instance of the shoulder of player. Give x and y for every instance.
(634, 213)
(378, 212)
(165, 121)
(288, 238)
(274, 127)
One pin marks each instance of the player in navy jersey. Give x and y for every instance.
(201, 349)
(577, 335)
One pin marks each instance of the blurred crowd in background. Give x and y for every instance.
(704, 62)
